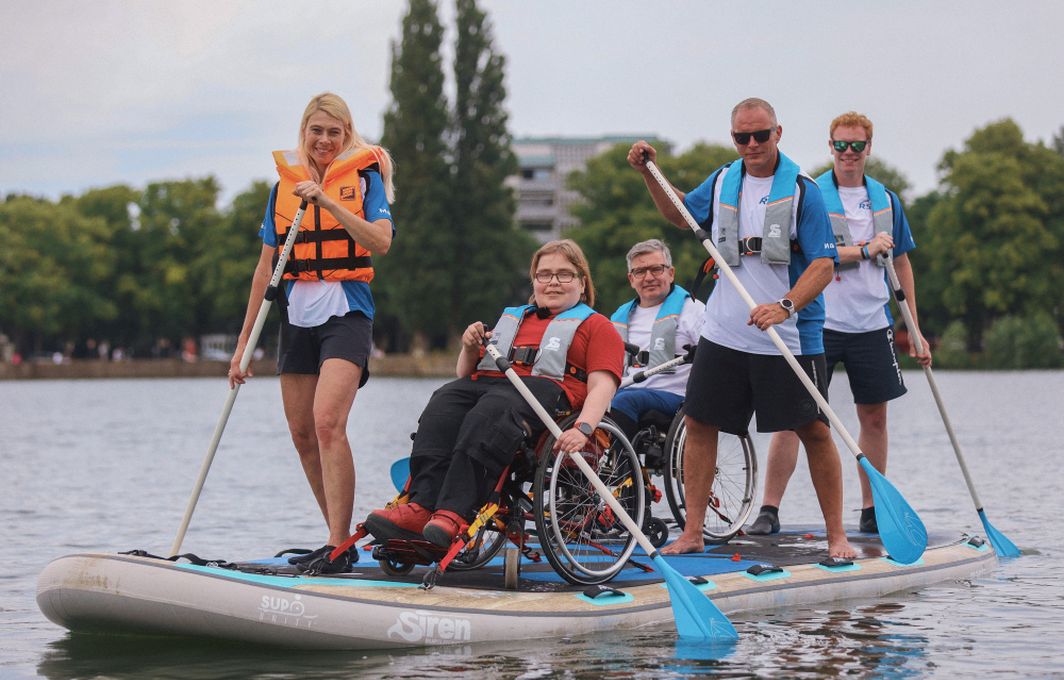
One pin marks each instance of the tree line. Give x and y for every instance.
(147, 268)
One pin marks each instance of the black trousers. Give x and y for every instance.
(468, 434)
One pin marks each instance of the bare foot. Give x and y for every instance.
(841, 548)
(685, 544)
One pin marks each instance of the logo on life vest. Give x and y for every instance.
(347, 193)
(659, 343)
(774, 231)
(415, 626)
(555, 343)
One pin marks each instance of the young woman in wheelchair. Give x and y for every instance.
(569, 356)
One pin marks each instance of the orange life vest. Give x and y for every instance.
(323, 249)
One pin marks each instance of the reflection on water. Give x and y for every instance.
(108, 465)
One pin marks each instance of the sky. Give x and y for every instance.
(110, 91)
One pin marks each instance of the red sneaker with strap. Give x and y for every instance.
(401, 522)
(443, 527)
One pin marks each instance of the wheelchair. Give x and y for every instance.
(659, 443)
(581, 537)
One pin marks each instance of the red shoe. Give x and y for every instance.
(401, 522)
(443, 527)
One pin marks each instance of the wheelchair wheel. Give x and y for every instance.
(582, 538)
(732, 495)
(491, 537)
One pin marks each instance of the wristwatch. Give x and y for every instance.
(788, 306)
(584, 429)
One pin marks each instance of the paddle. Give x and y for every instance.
(400, 472)
(1002, 545)
(695, 614)
(900, 528)
(245, 361)
(643, 375)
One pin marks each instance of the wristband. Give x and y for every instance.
(864, 253)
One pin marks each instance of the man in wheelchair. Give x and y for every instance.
(660, 321)
(569, 356)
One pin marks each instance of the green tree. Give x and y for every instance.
(493, 251)
(51, 269)
(1015, 342)
(178, 224)
(996, 233)
(615, 212)
(415, 278)
(224, 270)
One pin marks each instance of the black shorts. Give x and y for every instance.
(871, 363)
(727, 386)
(304, 350)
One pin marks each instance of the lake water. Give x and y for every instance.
(108, 465)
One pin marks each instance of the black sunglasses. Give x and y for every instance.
(840, 146)
(743, 138)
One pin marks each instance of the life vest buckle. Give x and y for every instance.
(524, 356)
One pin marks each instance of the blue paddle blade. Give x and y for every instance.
(400, 472)
(1002, 545)
(696, 615)
(900, 528)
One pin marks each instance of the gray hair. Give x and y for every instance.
(649, 246)
(755, 103)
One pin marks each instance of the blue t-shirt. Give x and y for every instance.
(375, 207)
(726, 311)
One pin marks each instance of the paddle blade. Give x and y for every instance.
(696, 615)
(900, 528)
(1002, 545)
(400, 472)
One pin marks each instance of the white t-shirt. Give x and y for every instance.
(311, 303)
(726, 311)
(688, 329)
(856, 301)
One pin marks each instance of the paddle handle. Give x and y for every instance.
(914, 337)
(602, 490)
(245, 361)
(707, 242)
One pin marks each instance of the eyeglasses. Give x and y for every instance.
(743, 138)
(840, 146)
(655, 269)
(563, 276)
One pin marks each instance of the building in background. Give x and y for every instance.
(545, 163)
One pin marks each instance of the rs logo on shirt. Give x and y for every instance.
(865, 205)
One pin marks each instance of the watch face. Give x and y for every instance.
(585, 429)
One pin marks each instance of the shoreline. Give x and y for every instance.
(433, 365)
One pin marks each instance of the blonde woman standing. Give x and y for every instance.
(327, 307)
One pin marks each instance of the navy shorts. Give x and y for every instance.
(727, 387)
(304, 350)
(871, 363)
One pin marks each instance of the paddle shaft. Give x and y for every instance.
(707, 241)
(914, 338)
(641, 376)
(548, 421)
(245, 361)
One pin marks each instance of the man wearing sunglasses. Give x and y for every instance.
(770, 225)
(661, 320)
(869, 224)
